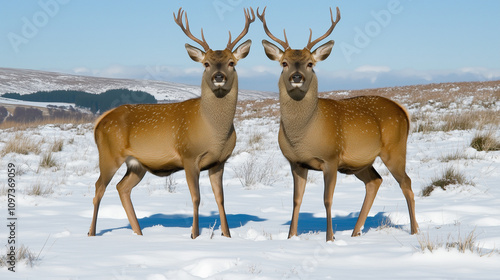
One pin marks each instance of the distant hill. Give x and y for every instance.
(28, 81)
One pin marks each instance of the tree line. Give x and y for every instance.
(96, 103)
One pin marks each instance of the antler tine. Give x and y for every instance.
(186, 30)
(328, 32)
(285, 44)
(248, 19)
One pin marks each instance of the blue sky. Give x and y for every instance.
(377, 43)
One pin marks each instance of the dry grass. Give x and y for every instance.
(251, 173)
(39, 190)
(47, 160)
(249, 109)
(21, 144)
(23, 126)
(465, 244)
(485, 142)
(57, 145)
(451, 176)
(23, 254)
(484, 94)
(457, 155)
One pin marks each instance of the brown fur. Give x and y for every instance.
(336, 135)
(193, 135)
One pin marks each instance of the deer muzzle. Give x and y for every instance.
(219, 79)
(297, 79)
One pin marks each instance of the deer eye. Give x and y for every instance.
(231, 64)
(284, 64)
(309, 64)
(206, 64)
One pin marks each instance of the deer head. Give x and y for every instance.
(298, 73)
(219, 65)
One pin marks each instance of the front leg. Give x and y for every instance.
(192, 178)
(330, 178)
(215, 173)
(299, 185)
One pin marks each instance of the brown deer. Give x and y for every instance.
(335, 135)
(194, 135)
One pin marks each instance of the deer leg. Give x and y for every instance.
(192, 178)
(330, 178)
(133, 176)
(299, 185)
(397, 166)
(107, 171)
(215, 175)
(372, 181)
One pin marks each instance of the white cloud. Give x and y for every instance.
(372, 69)
(263, 77)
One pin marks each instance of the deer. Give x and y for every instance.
(334, 136)
(194, 135)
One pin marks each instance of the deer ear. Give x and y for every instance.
(195, 53)
(323, 51)
(242, 50)
(272, 51)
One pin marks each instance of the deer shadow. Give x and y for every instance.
(186, 221)
(309, 223)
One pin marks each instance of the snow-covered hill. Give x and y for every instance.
(25, 81)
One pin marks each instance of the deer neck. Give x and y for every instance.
(218, 110)
(298, 109)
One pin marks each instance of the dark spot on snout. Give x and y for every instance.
(219, 77)
(297, 78)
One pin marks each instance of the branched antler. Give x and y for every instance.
(284, 44)
(328, 32)
(186, 30)
(248, 19)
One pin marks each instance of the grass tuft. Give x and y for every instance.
(39, 190)
(451, 176)
(465, 244)
(47, 161)
(485, 142)
(21, 144)
(23, 254)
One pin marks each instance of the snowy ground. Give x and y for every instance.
(54, 225)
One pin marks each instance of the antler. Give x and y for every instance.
(248, 20)
(186, 30)
(328, 32)
(285, 44)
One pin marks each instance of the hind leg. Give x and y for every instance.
(107, 170)
(397, 166)
(372, 181)
(133, 176)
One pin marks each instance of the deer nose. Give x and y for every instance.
(218, 77)
(297, 78)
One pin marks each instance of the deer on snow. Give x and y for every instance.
(335, 135)
(194, 135)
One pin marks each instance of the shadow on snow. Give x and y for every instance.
(186, 221)
(309, 223)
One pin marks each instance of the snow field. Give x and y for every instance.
(258, 201)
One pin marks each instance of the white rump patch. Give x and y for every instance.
(133, 163)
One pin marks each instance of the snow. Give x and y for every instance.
(16, 102)
(54, 226)
(25, 81)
